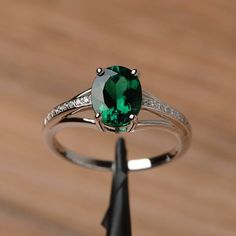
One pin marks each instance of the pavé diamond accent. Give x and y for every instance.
(162, 107)
(147, 101)
(66, 106)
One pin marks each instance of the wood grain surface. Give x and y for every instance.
(186, 53)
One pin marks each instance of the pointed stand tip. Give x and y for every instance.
(117, 218)
(120, 147)
(121, 155)
(120, 141)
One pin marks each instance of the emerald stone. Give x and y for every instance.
(116, 94)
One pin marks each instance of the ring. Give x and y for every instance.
(116, 97)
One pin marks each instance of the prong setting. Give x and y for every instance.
(132, 117)
(100, 71)
(129, 128)
(133, 123)
(134, 72)
(98, 116)
(98, 122)
(118, 82)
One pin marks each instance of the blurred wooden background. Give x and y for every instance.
(186, 52)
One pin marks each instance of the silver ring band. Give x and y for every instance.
(168, 119)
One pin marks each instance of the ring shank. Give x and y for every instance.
(179, 127)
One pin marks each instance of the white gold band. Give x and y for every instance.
(168, 119)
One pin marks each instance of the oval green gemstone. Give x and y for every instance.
(116, 94)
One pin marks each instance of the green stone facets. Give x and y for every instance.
(116, 94)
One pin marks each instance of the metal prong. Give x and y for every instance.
(132, 116)
(99, 122)
(98, 115)
(100, 71)
(134, 72)
(133, 123)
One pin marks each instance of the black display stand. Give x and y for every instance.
(117, 218)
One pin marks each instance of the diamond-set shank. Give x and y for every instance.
(168, 119)
(163, 109)
(68, 106)
(148, 102)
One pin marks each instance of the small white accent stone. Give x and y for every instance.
(64, 106)
(53, 112)
(85, 100)
(57, 111)
(167, 110)
(72, 104)
(78, 102)
(48, 116)
(162, 107)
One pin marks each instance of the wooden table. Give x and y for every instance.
(186, 53)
